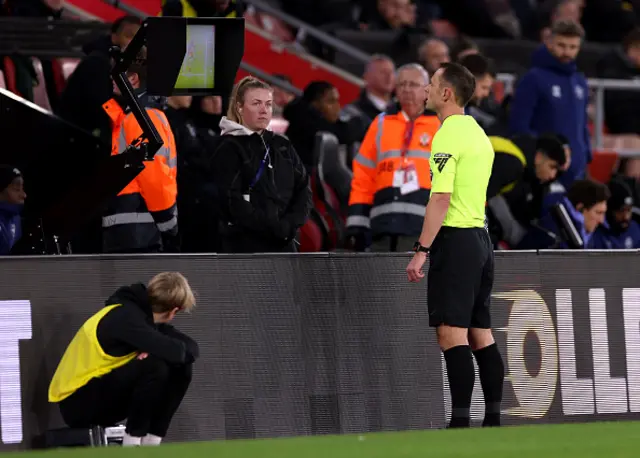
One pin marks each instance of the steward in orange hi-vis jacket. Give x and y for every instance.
(143, 217)
(391, 176)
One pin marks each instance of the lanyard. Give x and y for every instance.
(408, 135)
(260, 169)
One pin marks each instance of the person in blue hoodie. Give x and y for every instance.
(586, 204)
(12, 197)
(553, 96)
(619, 231)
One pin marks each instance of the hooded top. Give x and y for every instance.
(552, 97)
(130, 328)
(263, 205)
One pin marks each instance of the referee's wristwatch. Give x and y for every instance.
(418, 248)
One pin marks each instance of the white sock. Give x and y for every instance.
(131, 441)
(151, 439)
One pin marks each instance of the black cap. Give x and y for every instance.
(621, 195)
(552, 146)
(8, 173)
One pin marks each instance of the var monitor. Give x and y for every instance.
(193, 56)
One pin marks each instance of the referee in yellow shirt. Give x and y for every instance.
(454, 235)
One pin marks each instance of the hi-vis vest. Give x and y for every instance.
(84, 360)
(503, 145)
(374, 202)
(189, 11)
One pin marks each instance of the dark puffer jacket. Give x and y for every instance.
(267, 217)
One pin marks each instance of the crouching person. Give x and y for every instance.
(127, 362)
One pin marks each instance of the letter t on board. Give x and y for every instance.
(15, 325)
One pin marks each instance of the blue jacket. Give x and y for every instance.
(606, 239)
(540, 239)
(553, 97)
(10, 226)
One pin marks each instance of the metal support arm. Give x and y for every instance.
(122, 62)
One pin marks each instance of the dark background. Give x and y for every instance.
(326, 343)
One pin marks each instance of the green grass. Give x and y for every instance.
(602, 440)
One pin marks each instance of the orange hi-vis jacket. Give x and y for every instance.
(146, 207)
(378, 199)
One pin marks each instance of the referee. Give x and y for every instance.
(454, 235)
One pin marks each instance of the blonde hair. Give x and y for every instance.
(170, 290)
(238, 93)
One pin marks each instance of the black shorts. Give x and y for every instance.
(460, 278)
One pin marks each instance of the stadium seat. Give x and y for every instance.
(68, 67)
(324, 198)
(40, 96)
(314, 235)
(333, 170)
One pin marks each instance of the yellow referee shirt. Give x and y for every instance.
(461, 163)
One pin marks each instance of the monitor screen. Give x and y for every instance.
(198, 67)
(186, 56)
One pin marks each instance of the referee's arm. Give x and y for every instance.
(444, 174)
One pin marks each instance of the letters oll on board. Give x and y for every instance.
(534, 393)
(15, 325)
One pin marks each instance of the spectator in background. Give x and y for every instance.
(586, 204)
(281, 98)
(483, 107)
(621, 107)
(143, 217)
(619, 231)
(389, 15)
(264, 189)
(462, 47)
(391, 173)
(318, 110)
(203, 8)
(90, 85)
(522, 168)
(379, 84)
(433, 53)
(12, 197)
(553, 97)
(206, 113)
(560, 10)
(196, 216)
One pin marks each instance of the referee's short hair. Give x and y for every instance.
(461, 81)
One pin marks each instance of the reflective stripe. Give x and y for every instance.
(165, 152)
(398, 207)
(158, 117)
(127, 218)
(358, 221)
(420, 154)
(122, 141)
(379, 135)
(365, 161)
(167, 226)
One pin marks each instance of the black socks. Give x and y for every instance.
(491, 369)
(461, 374)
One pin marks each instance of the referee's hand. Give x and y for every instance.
(414, 269)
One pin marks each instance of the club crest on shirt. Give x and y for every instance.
(424, 139)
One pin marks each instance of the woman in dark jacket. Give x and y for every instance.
(264, 192)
